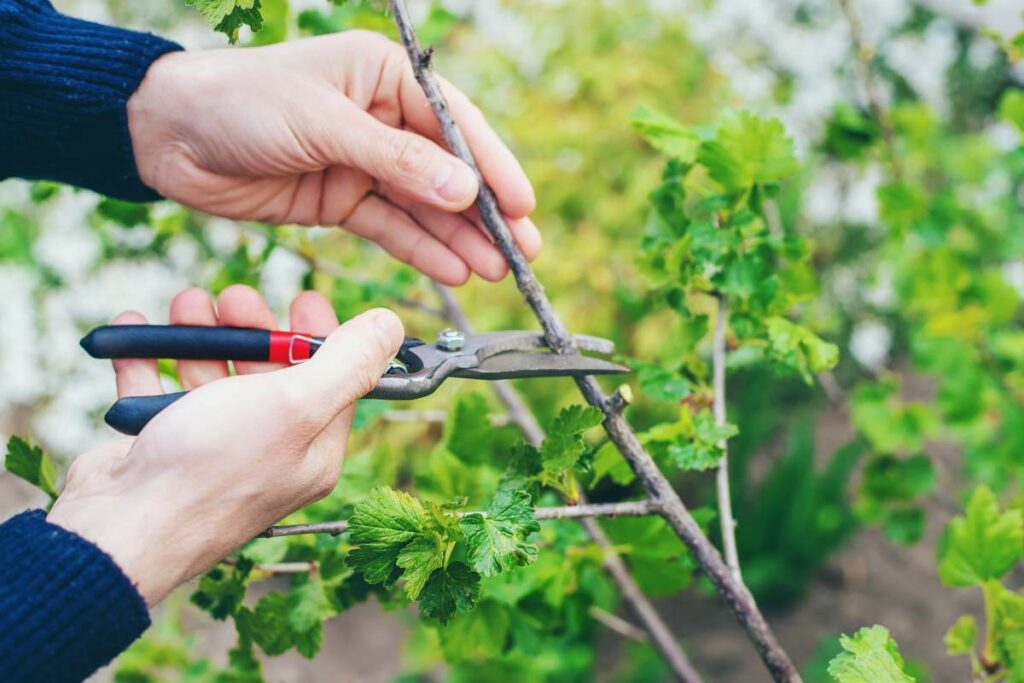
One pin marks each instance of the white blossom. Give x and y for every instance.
(870, 343)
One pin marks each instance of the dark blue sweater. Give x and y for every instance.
(65, 608)
(64, 84)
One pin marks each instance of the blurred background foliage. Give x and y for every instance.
(907, 122)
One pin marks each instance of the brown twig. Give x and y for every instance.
(435, 417)
(559, 340)
(614, 622)
(637, 508)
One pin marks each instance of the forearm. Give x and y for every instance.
(66, 609)
(64, 84)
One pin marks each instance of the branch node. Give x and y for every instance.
(426, 57)
(618, 401)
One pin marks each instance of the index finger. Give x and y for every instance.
(498, 165)
(135, 376)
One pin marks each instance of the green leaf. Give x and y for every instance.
(228, 16)
(1011, 108)
(497, 541)
(270, 627)
(747, 151)
(128, 214)
(982, 544)
(1005, 637)
(307, 643)
(889, 423)
(904, 525)
(961, 636)
(222, 591)
(564, 444)
(419, 559)
(695, 440)
(576, 419)
(900, 205)
(658, 383)
(30, 463)
(469, 434)
(608, 462)
(243, 666)
(665, 134)
(215, 11)
(891, 478)
(871, 656)
(799, 348)
(454, 588)
(850, 132)
(282, 621)
(478, 636)
(308, 606)
(660, 562)
(381, 525)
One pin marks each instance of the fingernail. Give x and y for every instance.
(455, 182)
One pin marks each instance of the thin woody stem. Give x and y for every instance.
(616, 623)
(560, 340)
(638, 508)
(728, 523)
(436, 417)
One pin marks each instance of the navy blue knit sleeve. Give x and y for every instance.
(64, 85)
(65, 608)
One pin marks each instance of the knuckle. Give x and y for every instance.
(408, 154)
(324, 484)
(290, 396)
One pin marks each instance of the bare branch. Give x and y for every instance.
(559, 340)
(614, 622)
(728, 523)
(436, 417)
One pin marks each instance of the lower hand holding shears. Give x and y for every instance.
(237, 454)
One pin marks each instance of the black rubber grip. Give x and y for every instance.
(187, 342)
(130, 414)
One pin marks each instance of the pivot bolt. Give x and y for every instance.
(451, 340)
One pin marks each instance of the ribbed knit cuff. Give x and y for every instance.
(65, 608)
(64, 86)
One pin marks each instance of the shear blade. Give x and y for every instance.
(515, 364)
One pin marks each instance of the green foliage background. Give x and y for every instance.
(657, 196)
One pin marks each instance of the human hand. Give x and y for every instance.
(234, 456)
(328, 131)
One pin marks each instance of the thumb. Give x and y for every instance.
(411, 164)
(348, 365)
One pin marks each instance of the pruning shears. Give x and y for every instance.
(417, 371)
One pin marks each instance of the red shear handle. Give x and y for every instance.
(292, 347)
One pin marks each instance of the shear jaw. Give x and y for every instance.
(436, 363)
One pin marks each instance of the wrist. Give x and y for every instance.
(156, 112)
(137, 537)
